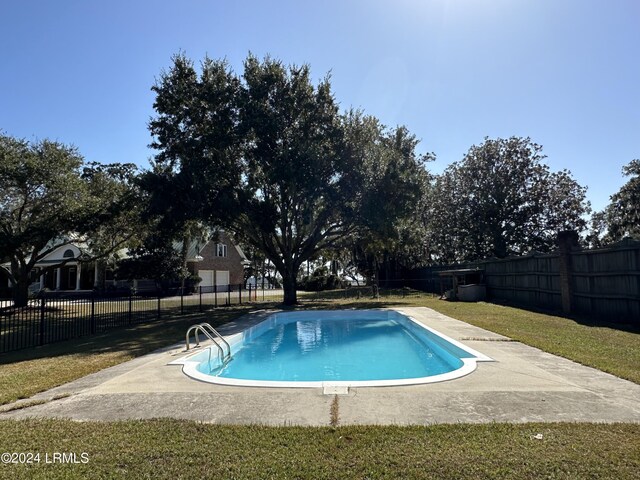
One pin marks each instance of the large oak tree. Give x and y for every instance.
(269, 156)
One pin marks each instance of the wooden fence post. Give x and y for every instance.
(567, 242)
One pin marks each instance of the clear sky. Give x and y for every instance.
(564, 72)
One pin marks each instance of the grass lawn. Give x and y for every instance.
(182, 449)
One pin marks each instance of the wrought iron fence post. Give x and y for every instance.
(181, 300)
(93, 312)
(200, 288)
(240, 294)
(42, 307)
(130, 307)
(229, 294)
(249, 292)
(215, 296)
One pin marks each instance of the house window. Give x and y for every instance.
(68, 253)
(221, 250)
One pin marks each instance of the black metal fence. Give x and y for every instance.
(56, 317)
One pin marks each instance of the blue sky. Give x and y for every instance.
(564, 72)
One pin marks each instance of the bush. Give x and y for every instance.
(191, 283)
(321, 280)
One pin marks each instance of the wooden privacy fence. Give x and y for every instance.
(603, 283)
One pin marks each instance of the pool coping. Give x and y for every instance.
(469, 365)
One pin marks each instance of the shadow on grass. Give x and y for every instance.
(346, 304)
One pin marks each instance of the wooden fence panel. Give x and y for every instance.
(530, 280)
(603, 283)
(607, 281)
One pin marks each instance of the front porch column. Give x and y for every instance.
(95, 275)
(42, 282)
(78, 272)
(58, 278)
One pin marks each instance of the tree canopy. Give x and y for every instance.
(621, 218)
(48, 197)
(502, 200)
(269, 156)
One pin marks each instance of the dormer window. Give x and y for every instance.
(221, 250)
(68, 253)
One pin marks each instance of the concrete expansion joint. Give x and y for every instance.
(334, 412)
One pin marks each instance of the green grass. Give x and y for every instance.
(181, 449)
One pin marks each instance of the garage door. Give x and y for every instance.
(207, 278)
(222, 277)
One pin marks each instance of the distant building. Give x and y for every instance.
(217, 262)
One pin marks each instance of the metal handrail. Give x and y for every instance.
(217, 334)
(197, 328)
(202, 327)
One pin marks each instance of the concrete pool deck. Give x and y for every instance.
(523, 384)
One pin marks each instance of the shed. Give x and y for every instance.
(468, 284)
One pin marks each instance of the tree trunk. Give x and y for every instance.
(21, 292)
(289, 283)
(499, 244)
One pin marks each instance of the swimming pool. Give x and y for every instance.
(337, 348)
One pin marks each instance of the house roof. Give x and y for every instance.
(193, 251)
(196, 247)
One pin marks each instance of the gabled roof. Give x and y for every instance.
(196, 247)
(193, 251)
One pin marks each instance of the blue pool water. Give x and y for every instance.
(335, 346)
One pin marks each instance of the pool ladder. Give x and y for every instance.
(213, 335)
